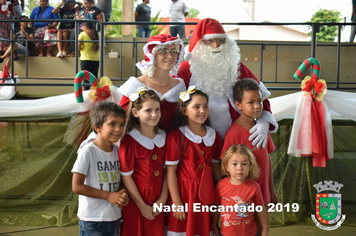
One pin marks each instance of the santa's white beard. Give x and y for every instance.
(215, 73)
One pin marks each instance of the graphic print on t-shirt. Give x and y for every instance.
(238, 214)
(109, 175)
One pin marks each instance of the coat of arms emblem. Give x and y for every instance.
(328, 205)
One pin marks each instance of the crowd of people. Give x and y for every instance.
(46, 35)
(195, 134)
(49, 34)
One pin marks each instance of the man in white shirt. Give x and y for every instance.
(178, 11)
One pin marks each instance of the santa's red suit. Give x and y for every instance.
(219, 106)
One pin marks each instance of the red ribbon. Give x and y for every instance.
(102, 93)
(320, 152)
(5, 73)
(319, 139)
(313, 87)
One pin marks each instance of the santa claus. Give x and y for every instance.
(213, 64)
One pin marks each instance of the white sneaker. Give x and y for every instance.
(59, 54)
(64, 54)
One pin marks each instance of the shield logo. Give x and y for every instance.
(328, 208)
(328, 205)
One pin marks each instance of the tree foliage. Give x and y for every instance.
(29, 6)
(156, 29)
(327, 33)
(193, 13)
(116, 16)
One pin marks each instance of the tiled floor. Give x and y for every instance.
(294, 230)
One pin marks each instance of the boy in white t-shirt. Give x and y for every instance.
(96, 173)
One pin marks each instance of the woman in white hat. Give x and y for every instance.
(163, 55)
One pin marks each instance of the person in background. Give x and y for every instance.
(143, 13)
(353, 20)
(190, 34)
(89, 51)
(44, 11)
(22, 4)
(106, 7)
(178, 10)
(15, 10)
(4, 26)
(100, 201)
(66, 11)
(22, 34)
(88, 12)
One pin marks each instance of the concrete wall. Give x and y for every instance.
(262, 32)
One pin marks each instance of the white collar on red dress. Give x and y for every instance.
(132, 84)
(159, 140)
(208, 139)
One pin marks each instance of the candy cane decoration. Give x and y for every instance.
(78, 90)
(305, 66)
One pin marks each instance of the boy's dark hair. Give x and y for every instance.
(182, 120)
(243, 85)
(102, 110)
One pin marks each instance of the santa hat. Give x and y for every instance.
(159, 40)
(207, 28)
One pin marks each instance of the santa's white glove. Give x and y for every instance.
(259, 133)
(260, 130)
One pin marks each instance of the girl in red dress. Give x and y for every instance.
(142, 157)
(185, 165)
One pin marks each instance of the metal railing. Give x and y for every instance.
(313, 45)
